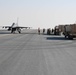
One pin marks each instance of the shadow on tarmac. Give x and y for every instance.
(56, 38)
(5, 33)
(9, 32)
(16, 33)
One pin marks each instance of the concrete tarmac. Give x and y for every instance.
(32, 54)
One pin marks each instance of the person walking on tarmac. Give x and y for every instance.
(39, 31)
(43, 30)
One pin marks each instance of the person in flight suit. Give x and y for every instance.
(39, 31)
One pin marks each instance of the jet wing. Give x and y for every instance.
(23, 27)
(6, 26)
(13, 24)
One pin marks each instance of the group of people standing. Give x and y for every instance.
(39, 31)
(49, 31)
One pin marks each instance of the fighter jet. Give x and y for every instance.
(14, 27)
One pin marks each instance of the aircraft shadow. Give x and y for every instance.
(4, 33)
(17, 33)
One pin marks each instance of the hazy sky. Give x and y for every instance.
(37, 13)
